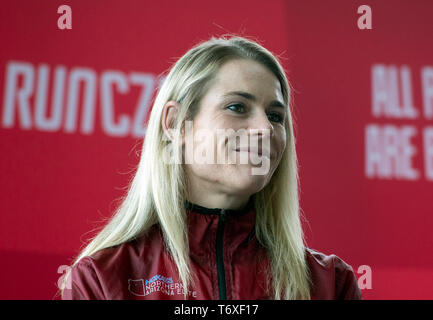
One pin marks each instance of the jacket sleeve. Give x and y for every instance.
(84, 282)
(346, 283)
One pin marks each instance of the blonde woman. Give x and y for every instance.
(213, 211)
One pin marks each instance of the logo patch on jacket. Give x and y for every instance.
(157, 283)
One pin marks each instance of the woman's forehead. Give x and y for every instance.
(246, 71)
(246, 76)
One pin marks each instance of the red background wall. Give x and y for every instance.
(58, 183)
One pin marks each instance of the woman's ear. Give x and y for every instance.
(169, 114)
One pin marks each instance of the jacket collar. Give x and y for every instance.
(193, 207)
(239, 228)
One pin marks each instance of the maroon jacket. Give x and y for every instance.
(226, 258)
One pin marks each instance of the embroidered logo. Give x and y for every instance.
(157, 283)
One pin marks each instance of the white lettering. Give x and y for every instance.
(14, 70)
(21, 84)
(428, 152)
(191, 310)
(389, 152)
(427, 90)
(364, 281)
(88, 76)
(364, 21)
(65, 20)
(108, 78)
(147, 83)
(385, 93)
(42, 121)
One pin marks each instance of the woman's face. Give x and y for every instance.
(256, 114)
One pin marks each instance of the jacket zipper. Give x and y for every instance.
(219, 256)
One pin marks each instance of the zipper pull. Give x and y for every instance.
(223, 215)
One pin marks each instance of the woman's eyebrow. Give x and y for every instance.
(249, 96)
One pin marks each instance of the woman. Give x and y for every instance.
(213, 229)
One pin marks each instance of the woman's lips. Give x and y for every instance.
(249, 151)
(256, 151)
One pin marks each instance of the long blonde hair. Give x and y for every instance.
(157, 192)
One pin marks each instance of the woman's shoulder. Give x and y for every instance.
(101, 275)
(124, 252)
(327, 261)
(332, 277)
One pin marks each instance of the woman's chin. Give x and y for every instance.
(245, 179)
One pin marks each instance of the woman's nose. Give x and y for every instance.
(262, 126)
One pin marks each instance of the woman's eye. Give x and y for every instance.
(236, 107)
(239, 108)
(276, 117)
